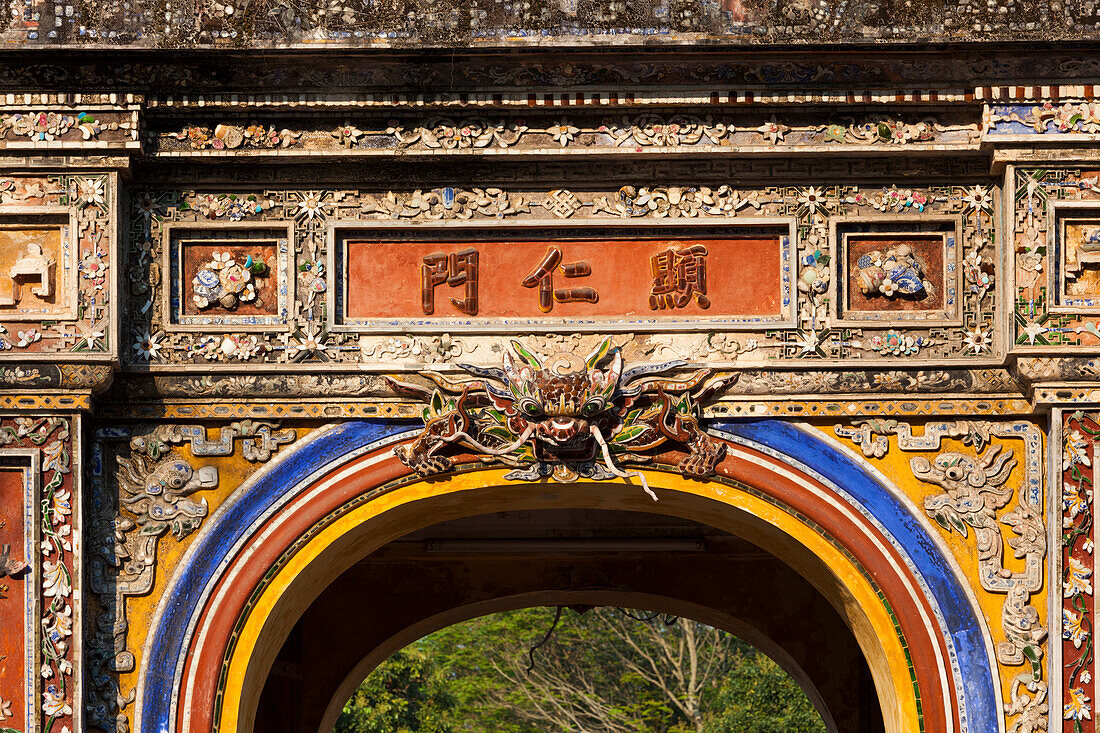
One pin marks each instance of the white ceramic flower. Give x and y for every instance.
(310, 204)
(563, 133)
(978, 340)
(310, 342)
(218, 260)
(979, 198)
(1033, 330)
(55, 580)
(90, 191)
(772, 130)
(812, 198)
(54, 703)
(28, 337)
(146, 346)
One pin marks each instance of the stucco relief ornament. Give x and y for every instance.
(564, 417)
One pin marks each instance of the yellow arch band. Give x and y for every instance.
(873, 625)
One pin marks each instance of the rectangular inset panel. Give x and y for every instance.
(17, 617)
(896, 271)
(228, 277)
(482, 279)
(37, 269)
(1077, 284)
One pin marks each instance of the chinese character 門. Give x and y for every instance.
(454, 269)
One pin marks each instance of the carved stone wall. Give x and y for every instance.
(213, 259)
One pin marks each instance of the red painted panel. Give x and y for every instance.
(12, 602)
(385, 278)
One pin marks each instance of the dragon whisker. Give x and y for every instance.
(610, 464)
(465, 437)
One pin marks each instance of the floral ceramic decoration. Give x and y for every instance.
(1080, 432)
(895, 272)
(56, 263)
(227, 282)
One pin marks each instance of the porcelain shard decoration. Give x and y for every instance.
(226, 282)
(564, 417)
(980, 497)
(895, 272)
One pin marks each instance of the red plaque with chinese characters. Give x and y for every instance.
(600, 279)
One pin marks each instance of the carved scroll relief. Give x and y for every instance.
(151, 499)
(977, 500)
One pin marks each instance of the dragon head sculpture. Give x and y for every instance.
(563, 416)
(157, 493)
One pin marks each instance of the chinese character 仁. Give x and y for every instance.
(679, 276)
(543, 277)
(455, 268)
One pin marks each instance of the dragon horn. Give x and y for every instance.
(645, 369)
(597, 356)
(613, 373)
(527, 355)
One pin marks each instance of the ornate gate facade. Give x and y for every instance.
(265, 309)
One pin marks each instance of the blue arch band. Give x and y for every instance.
(818, 454)
(227, 527)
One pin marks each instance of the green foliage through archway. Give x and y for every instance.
(602, 671)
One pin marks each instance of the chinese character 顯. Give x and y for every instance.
(679, 276)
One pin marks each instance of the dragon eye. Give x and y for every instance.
(592, 407)
(530, 407)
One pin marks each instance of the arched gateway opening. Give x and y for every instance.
(837, 579)
(461, 569)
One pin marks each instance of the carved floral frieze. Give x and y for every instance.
(69, 127)
(638, 132)
(1080, 438)
(311, 335)
(1046, 118)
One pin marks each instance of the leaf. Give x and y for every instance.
(627, 435)
(437, 403)
(598, 354)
